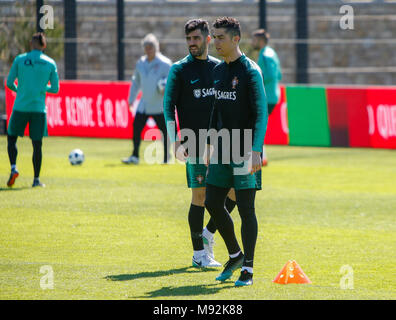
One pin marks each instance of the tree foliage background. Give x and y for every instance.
(15, 37)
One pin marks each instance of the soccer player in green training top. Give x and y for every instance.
(33, 71)
(269, 64)
(240, 109)
(189, 90)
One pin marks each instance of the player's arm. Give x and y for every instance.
(279, 72)
(13, 74)
(260, 109)
(268, 69)
(54, 81)
(135, 86)
(171, 97)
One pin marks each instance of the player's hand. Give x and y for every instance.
(256, 162)
(180, 152)
(131, 108)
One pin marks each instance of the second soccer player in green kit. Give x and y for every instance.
(189, 90)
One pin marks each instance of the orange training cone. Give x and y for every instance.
(291, 273)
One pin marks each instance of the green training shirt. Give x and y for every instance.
(189, 90)
(269, 64)
(240, 101)
(33, 71)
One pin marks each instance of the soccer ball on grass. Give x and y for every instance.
(76, 156)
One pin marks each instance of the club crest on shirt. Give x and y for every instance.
(234, 82)
(200, 179)
(197, 93)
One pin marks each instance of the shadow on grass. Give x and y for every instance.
(155, 274)
(170, 291)
(201, 289)
(14, 189)
(112, 165)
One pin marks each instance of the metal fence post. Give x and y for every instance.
(70, 16)
(302, 45)
(39, 4)
(120, 40)
(263, 14)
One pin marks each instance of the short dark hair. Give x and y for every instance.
(39, 38)
(231, 25)
(262, 34)
(195, 24)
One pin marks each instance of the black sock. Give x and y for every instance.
(249, 230)
(229, 205)
(249, 227)
(12, 149)
(214, 202)
(37, 157)
(195, 220)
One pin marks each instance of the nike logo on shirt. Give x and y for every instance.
(193, 81)
(216, 81)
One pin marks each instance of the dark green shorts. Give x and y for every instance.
(37, 124)
(232, 176)
(196, 174)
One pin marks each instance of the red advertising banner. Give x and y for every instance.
(371, 116)
(88, 109)
(381, 112)
(337, 108)
(278, 129)
(357, 117)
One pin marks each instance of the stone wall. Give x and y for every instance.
(331, 50)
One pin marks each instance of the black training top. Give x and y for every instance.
(240, 101)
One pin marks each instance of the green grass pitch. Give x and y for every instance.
(113, 231)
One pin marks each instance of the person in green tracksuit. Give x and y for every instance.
(270, 66)
(240, 113)
(33, 70)
(189, 91)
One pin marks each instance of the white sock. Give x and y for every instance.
(207, 234)
(248, 269)
(198, 254)
(13, 167)
(235, 254)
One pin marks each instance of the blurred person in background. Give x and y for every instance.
(33, 70)
(269, 64)
(150, 77)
